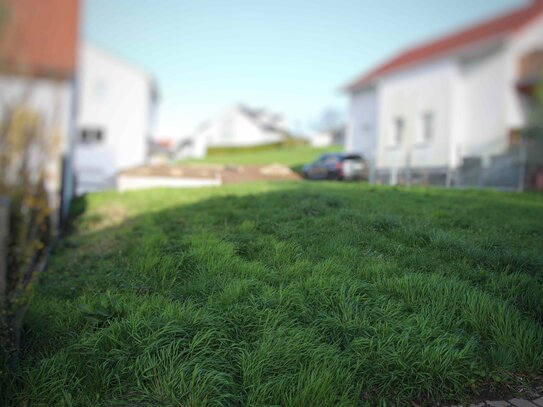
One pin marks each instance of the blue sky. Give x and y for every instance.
(286, 55)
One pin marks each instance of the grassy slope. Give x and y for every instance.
(293, 157)
(314, 294)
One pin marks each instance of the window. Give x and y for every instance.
(427, 128)
(397, 132)
(91, 136)
(331, 160)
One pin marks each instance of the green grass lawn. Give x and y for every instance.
(294, 157)
(287, 294)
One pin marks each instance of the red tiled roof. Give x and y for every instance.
(496, 27)
(41, 36)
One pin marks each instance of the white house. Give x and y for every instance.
(328, 138)
(39, 77)
(237, 127)
(429, 111)
(117, 103)
(322, 139)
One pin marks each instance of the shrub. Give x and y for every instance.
(24, 143)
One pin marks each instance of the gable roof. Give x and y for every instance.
(40, 36)
(263, 119)
(496, 27)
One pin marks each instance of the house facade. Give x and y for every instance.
(39, 76)
(238, 127)
(117, 108)
(334, 137)
(434, 111)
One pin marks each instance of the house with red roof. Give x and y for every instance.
(457, 102)
(38, 69)
(98, 108)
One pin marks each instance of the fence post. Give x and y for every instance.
(4, 233)
(407, 172)
(372, 170)
(523, 154)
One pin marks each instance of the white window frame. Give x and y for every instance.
(427, 128)
(397, 132)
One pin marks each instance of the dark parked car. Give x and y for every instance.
(338, 166)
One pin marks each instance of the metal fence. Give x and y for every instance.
(518, 168)
(4, 234)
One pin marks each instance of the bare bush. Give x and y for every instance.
(29, 142)
(24, 147)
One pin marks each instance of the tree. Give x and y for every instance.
(330, 120)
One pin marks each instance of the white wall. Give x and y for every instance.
(321, 140)
(363, 124)
(50, 98)
(492, 106)
(235, 129)
(53, 101)
(523, 42)
(484, 93)
(410, 94)
(130, 182)
(115, 97)
(194, 147)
